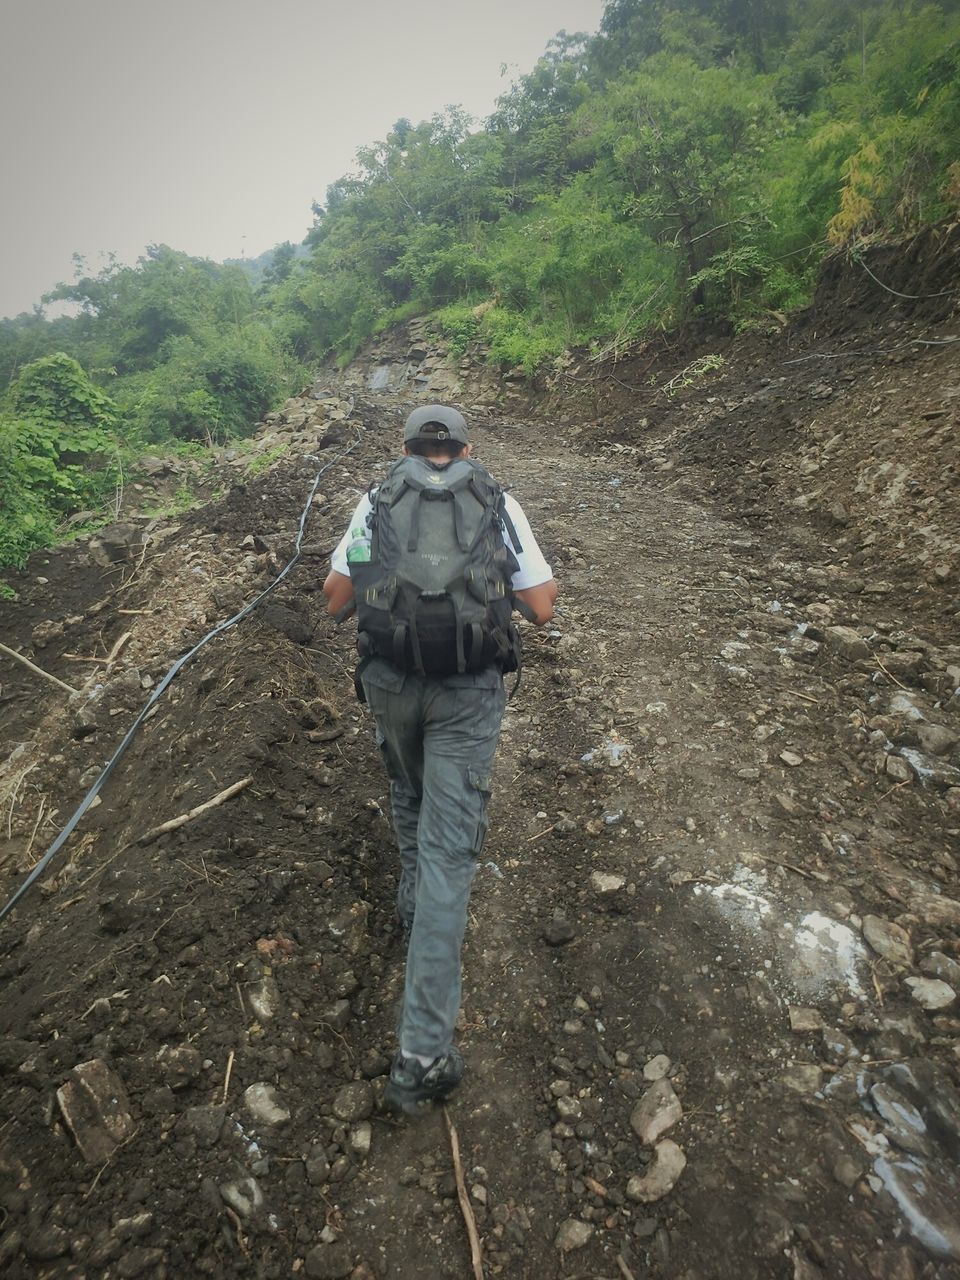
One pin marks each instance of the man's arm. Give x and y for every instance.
(540, 599)
(338, 589)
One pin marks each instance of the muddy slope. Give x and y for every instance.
(710, 1013)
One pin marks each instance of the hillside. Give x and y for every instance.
(721, 880)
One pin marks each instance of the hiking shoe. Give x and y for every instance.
(411, 1082)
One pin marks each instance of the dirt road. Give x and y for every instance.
(707, 1012)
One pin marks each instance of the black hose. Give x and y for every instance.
(181, 662)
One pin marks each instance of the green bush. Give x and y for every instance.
(58, 453)
(27, 518)
(210, 388)
(514, 342)
(459, 325)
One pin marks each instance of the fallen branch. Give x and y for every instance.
(12, 653)
(174, 823)
(805, 696)
(540, 834)
(465, 1209)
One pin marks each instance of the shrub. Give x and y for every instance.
(58, 453)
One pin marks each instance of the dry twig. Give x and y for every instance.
(36, 826)
(174, 823)
(896, 787)
(888, 674)
(136, 569)
(238, 1228)
(465, 1209)
(624, 1269)
(115, 651)
(876, 985)
(226, 1078)
(11, 793)
(789, 866)
(119, 1147)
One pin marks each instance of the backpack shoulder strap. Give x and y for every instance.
(511, 528)
(373, 494)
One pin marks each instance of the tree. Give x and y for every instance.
(684, 146)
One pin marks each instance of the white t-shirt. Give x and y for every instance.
(533, 570)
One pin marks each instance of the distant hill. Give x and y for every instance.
(257, 268)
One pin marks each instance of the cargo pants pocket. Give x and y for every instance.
(479, 784)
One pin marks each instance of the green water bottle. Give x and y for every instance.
(358, 550)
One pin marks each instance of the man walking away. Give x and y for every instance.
(435, 561)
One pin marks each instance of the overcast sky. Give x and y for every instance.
(211, 125)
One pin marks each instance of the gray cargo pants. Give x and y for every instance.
(438, 736)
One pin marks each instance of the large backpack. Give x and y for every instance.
(435, 596)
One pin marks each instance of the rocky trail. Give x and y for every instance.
(710, 1010)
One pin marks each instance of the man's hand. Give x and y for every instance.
(540, 599)
(338, 589)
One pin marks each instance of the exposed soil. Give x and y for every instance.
(723, 851)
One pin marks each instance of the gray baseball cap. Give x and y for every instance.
(446, 424)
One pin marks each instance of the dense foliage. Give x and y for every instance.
(58, 453)
(693, 159)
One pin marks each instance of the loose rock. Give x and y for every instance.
(360, 1139)
(96, 1110)
(605, 884)
(243, 1195)
(928, 1203)
(931, 994)
(847, 643)
(657, 1111)
(354, 1101)
(902, 1122)
(557, 933)
(662, 1175)
(263, 1103)
(573, 1234)
(657, 1067)
(805, 1020)
(328, 1262)
(803, 1077)
(888, 940)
